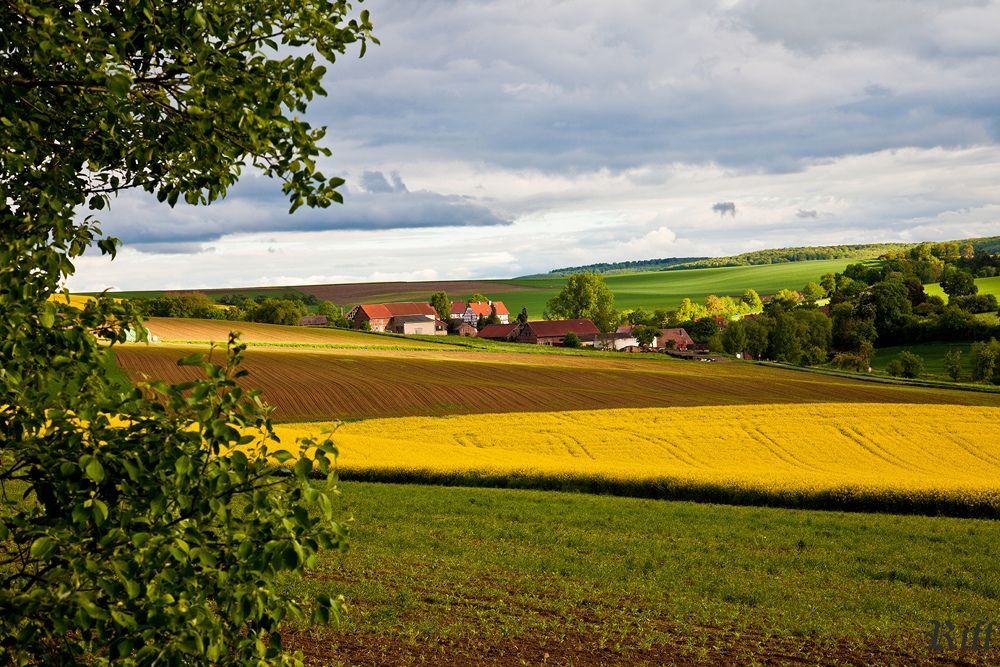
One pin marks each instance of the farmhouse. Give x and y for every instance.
(554, 331)
(378, 315)
(497, 331)
(466, 329)
(313, 321)
(472, 312)
(621, 339)
(680, 338)
(416, 324)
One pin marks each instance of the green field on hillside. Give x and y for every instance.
(931, 353)
(490, 576)
(665, 289)
(985, 285)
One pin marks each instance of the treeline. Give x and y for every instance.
(624, 267)
(285, 309)
(987, 244)
(784, 255)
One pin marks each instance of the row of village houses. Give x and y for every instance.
(421, 318)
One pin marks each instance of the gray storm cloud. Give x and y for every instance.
(724, 207)
(256, 205)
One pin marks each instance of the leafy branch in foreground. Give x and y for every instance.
(137, 530)
(156, 536)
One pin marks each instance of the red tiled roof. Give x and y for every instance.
(486, 308)
(625, 329)
(547, 329)
(410, 308)
(677, 335)
(457, 308)
(375, 310)
(496, 330)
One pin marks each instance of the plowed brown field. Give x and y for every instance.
(181, 329)
(406, 291)
(343, 384)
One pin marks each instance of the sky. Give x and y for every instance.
(498, 139)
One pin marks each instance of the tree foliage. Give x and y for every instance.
(571, 340)
(645, 335)
(953, 364)
(149, 528)
(585, 296)
(441, 305)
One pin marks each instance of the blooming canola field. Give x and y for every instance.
(936, 452)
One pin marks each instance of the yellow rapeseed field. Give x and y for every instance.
(949, 449)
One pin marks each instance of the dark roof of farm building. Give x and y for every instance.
(401, 319)
(551, 328)
(677, 335)
(312, 320)
(496, 330)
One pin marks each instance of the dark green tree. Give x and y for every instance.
(571, 340)
(887, 305)
(758, 335)
(813, 292)
(985, 356)
(956, 282)
(703, 329)
(953, 364)
(150, 528)
(441, 305)
(911, 365)
(734, 338)
(522, 317)
(785, 344)
(279, 311)
(585, 296)
(645, 335)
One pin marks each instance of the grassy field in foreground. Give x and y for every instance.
(926, 459)
(325, 384)
(499, 577)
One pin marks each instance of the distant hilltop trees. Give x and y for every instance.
(990, 244)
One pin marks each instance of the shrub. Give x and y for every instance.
(572, 340)
(911, 365)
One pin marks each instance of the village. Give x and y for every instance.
(491, 320)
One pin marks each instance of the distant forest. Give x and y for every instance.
(990, 244)
(625, 267)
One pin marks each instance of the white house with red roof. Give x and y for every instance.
(379, 316)
(471, 313)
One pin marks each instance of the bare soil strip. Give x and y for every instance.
(311, 384)
(407, 291)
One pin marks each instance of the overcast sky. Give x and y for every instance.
(496, 139)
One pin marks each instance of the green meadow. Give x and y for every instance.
(665, 289)
(931, 353)
(491, 576)
(985, 285)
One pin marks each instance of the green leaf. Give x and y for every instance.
(183, 465)
(94, 470)
(42, 548)
(192, 359)
(48, 315)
